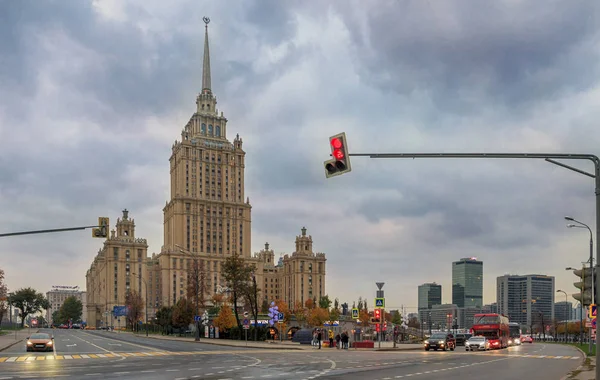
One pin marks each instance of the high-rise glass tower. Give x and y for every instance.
(467, 282)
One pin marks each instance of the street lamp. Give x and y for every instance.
(566, 303)
(591, 259)
(580, 311)
(145, 298)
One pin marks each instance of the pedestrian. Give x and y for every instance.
(330, 338)
(319, 337)
(338, 339)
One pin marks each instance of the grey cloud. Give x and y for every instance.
(511, 54)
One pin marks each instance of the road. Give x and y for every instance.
(99, 354)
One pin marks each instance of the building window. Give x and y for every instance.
(203, 129)
(127, 255)
(210, 130)
(218, 131)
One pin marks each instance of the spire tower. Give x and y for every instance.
(206, 61)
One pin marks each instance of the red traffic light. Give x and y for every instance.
(336, 143)
(377, 313)
(338, 154)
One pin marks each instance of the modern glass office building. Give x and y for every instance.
(467, 282)
(527, 299)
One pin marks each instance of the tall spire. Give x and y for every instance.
(206, 61)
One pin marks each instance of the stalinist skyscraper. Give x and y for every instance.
(208, 215)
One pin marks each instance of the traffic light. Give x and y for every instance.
(102, 230)
(376, 316)
(585, 285)
(340, 163)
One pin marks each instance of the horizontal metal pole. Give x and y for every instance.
(565, 156)
(48, 231)
(570, 167)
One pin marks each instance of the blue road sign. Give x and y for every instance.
(246, 321)
(594, 323)
(380, 302)
(280, 316)
(197, 318)
(355, 313)
(592, 311)
(119, 311)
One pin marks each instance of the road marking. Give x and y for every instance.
(94, 345)
(122, 342)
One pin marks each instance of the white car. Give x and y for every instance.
(477, 343)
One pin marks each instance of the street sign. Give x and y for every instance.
(594, 323)
(197, 318)
(245, 314)
(246, 327)
(355, 313)
(380, 285)
(592, 311)
(380, 303)
(246, 321)
(280, 317)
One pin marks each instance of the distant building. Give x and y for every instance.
(59, 294)
(491, 308)
(430, 294)
(467, 282)
(526, 299)
(563, 311)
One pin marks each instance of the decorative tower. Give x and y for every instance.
(208, 215)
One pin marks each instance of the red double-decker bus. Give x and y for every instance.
(494, 327)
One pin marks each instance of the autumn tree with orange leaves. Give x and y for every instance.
(317, 316)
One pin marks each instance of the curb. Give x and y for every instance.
(12, 344)
(584, 356)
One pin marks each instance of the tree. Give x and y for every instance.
(264, 306)
(396, 318)
(361, 305)
(196, 285)
(318, 316)
(250, 293)
(282, 306)
(135, 307)
(324, 302)
(164, 316)
(237, 274)
(364, 317)
(71, 309)
(309, 304)
(3, 296)
(225, 320)
(299, 313)
(56, 318)
(413, 322)
(183, 313)
(334, 314)
(28, 301)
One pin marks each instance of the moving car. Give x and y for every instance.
(40, 342)
(476, 343)
(526, 339)
(443, 341)
(461, 338)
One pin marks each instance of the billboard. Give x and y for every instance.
(119, 311)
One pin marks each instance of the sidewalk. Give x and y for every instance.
(284, 345)
(586, 371)
(9, 340)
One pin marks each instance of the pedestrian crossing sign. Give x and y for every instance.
(354, 313)
(592, 312)
(380, 303)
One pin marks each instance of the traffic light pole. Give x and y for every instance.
(48, 231)
(549, 157)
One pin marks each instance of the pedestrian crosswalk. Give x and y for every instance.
(46, 357)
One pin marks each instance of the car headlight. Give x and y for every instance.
(29, 343)
(49, 343)
(426, 342)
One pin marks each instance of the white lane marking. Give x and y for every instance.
(125, 342)
(95, 345)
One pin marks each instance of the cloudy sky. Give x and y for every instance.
(94, 93)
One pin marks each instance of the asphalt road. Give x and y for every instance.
(98, 355)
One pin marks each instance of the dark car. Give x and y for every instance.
(462, 338)
(304, 336)
(40, 342)
(442, 341)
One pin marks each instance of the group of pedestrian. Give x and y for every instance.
(341, 340)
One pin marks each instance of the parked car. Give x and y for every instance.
(442, 341)
(477, 343)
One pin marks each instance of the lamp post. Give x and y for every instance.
(145, 298)
(580, 311)
(591, 261)
(566, 302)
(255, 311)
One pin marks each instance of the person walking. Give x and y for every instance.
(319, 337)
(338, 339)
(330, 338)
